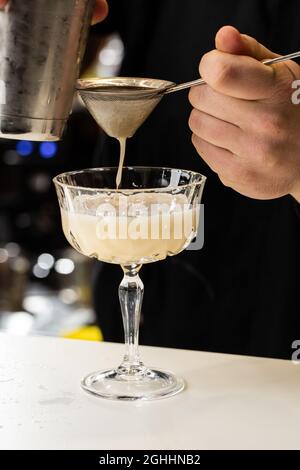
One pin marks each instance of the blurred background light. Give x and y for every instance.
(11, 157)
(24, 148)
(13, 249)
(64, 266)
(39, 272)
(68, 296)
(3, 255)
(48, 149)
(110, 57)
(19, 323)
(46, 261)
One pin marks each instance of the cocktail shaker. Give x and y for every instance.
(41, 47)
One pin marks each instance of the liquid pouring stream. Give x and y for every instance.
(122, 141)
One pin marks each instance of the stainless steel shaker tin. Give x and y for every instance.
(41, 46)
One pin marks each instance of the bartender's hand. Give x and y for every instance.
(244, 123)
(100, 10)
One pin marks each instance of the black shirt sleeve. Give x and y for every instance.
(297, 208)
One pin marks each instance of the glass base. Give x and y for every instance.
(131, 385)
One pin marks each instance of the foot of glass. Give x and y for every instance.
(131, 384)
(132, 380)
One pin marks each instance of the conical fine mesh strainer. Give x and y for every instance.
(121, 105)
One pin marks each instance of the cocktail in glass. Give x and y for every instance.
(152, 215)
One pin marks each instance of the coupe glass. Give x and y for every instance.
(152, 215)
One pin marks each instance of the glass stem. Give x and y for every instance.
(131, 296)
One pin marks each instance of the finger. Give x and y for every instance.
(230, 40)
(238, 112)
(250, 146)
(259, 121)
(100, 11)
(224, 163)
(216, 132)
(238, 76)
(3, 3)
(216, 157)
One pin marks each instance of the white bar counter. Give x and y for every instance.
(231, 402)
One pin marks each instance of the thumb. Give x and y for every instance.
(235, 67)
(3, 3)
(230, 40)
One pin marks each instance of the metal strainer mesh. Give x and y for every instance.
(121, 105)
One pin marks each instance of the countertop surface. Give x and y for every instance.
(231, 402)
